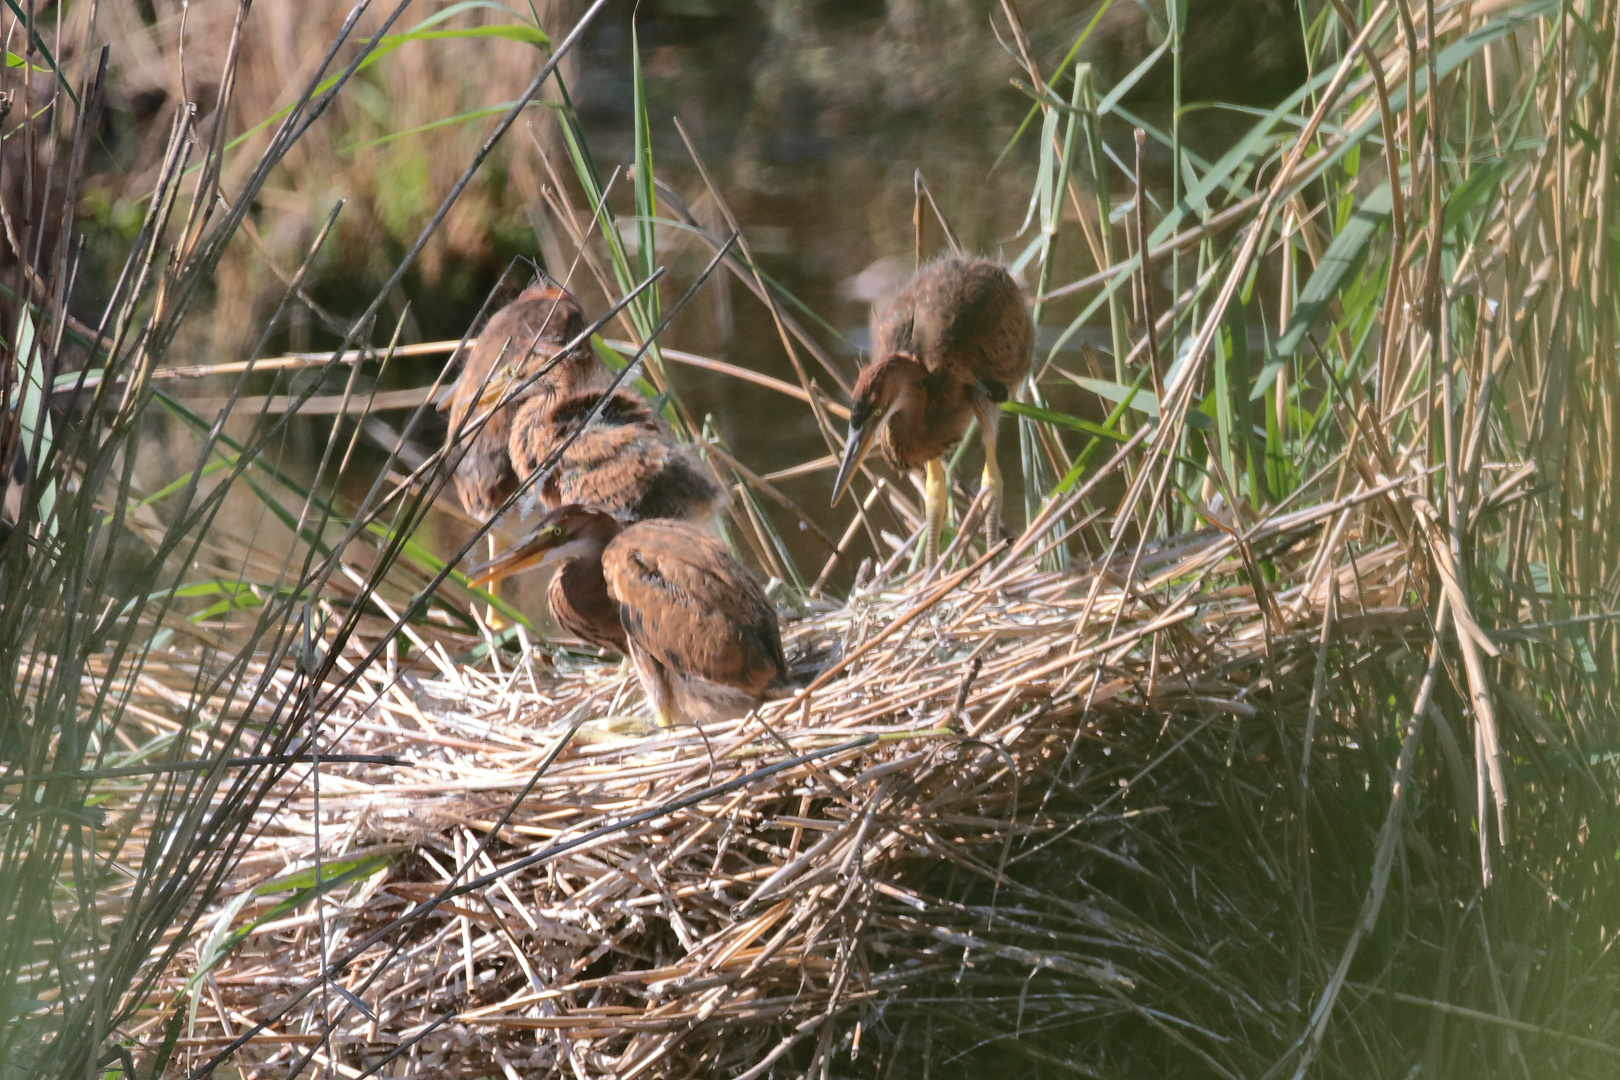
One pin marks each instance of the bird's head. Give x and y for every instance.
(560, 316)
(885, 387)
(568, 532)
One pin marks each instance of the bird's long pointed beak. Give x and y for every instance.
(531, 551)
(855, 451)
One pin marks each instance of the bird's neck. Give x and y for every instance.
(932, 416)
(581, 580)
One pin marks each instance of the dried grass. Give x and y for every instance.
(656, 906)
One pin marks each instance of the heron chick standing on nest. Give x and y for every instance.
(520, 344)
(953, 345)
(702, 635)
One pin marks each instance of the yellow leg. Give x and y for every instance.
(656, 683)
(936, 487)
(492, 618)
(992, 483)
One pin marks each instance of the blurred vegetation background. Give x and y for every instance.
(812, 118)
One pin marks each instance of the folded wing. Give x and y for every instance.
(687, 603)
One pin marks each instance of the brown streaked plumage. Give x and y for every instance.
(700, 631)
(624, 461)
(578, 595)
(952, 346)
(522, 339)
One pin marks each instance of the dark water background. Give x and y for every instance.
(812, 118)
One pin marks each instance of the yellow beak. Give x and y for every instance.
(855, 451)
(528, 552)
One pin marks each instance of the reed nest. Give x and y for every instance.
(947, 812)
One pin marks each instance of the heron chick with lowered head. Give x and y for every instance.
(950, 348)
(700, 631)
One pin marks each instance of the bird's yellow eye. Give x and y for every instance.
(556, 530)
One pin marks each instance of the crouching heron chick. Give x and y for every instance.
(517, 352)
(953, 345)
(702, 635)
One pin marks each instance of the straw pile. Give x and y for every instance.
(983, 744)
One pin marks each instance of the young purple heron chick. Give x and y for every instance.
(624, 461)
(519, 341)
(522, 338)
(952, 346)
(702, 635)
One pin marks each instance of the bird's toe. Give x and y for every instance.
(617, 727)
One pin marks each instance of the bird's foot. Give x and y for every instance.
(995, 531)
(616, 728)
(994, 526)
